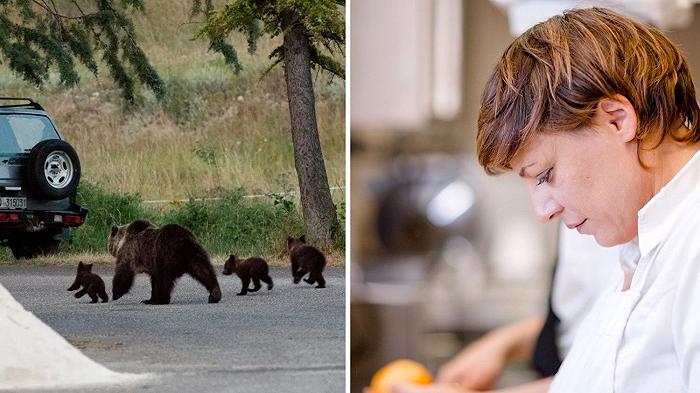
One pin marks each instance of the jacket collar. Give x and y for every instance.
(657, 218)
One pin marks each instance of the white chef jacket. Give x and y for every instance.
(585, 270)
(647, 339)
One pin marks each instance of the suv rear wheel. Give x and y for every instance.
(53, 169)
(32, 245)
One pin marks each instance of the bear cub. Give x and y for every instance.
(92, 284)
(254, 268)
(306, 259)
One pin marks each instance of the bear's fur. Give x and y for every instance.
(254, 268)
(163, 253)
(306, 259)
(92, 284)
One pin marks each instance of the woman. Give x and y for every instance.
(597, 113)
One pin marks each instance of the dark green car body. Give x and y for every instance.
(33, 220)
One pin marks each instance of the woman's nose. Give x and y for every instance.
(547, 209)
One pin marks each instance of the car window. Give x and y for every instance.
(19, 133)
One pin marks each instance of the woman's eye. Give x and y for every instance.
(545, 177)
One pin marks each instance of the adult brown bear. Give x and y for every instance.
(163, 253)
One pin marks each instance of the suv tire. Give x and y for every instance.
(33, 245)
(53, 169)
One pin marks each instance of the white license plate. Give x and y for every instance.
(13, 203)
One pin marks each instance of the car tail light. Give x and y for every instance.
(70, 219)
(9, 217)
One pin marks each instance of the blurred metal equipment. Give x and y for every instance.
(423, 203)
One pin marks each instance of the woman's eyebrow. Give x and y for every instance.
(522, 170)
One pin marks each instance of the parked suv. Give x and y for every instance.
(39, 175)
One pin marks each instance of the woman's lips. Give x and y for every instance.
(576, 225)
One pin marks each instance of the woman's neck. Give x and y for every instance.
(666, 160)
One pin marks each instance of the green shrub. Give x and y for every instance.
(234, 224)
(238, 225)
(104, 210)
(179, 101)
(193, 215)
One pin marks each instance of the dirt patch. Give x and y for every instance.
(96, 345)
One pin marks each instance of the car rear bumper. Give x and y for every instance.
(13, 221)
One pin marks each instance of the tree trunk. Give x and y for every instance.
(317, 205)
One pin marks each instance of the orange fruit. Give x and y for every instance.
(399, 371)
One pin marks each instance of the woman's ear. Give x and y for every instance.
(618, 114)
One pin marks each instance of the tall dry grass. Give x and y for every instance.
(215, 130)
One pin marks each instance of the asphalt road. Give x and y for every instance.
(290, 339)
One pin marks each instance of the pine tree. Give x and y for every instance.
(313, 33)
(37, 35)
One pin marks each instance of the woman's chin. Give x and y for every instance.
(612, 239)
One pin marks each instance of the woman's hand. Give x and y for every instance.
(539, 386)
(480, 364)
(434, 388)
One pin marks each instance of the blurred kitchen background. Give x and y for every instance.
(441, 253)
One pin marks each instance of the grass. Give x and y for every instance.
(234, 224)
(216, 133)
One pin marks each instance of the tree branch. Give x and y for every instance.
(57, 15)
(55, 9)
(94, 32)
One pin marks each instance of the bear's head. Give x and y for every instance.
(292, 243)
(118, 235)
(82, 269)
(230, 265)
(114, 241)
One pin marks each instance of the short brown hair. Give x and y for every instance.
(552, 77)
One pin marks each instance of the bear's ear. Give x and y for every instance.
(231, 256)
(303, 238)
(289, 239)
(80, 264)
(89, 267)
(138, 226)
(114, 230)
